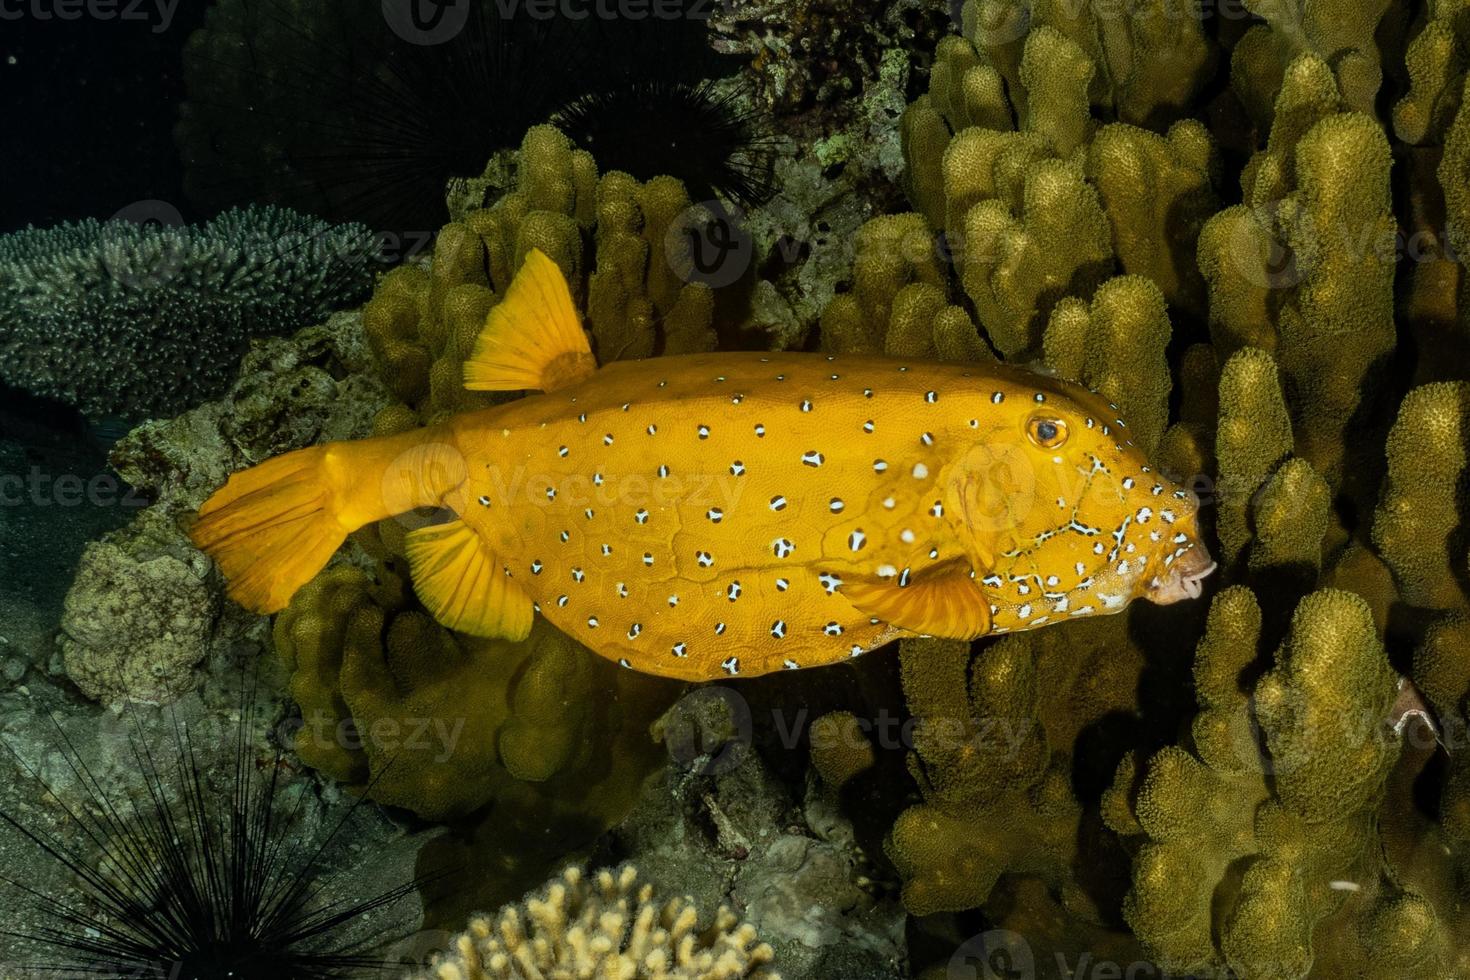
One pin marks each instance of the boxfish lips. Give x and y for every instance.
(1185, 577)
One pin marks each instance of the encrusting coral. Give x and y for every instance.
(605, 925)
(121, 318)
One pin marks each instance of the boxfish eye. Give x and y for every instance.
(1046, 432)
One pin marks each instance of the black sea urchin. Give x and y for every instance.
(697, 132)
(187, 883)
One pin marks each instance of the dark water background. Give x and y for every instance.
(89, 110)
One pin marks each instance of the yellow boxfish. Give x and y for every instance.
(731, 514)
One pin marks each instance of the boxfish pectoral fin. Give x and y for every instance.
(533, 338)
(460, 581)
(945, 602)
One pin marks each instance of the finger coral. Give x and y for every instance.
(604, 925)
(1299, 358)
(124, 319)
(423, 319)
(1289, 822)
(1038, 200)
(1428, 457)
(436, 722)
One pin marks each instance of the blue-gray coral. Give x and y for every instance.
(127, 319)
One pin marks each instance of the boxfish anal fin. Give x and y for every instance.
(945, 602)
(460, 581)
(533, 339)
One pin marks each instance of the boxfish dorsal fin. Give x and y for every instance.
(459, 580)
(533, 339)
(944, 602)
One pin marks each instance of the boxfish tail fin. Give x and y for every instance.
(533, 338)
(273, 527)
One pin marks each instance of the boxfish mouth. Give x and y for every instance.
(1185, 579)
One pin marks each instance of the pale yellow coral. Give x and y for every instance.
(606, 926)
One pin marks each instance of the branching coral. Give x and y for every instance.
(898, 305)
(606, 925)
(1305, 268)
(122, 318)
(440, 723)
(1115, 346)
(1435, 60)
(993, 754)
